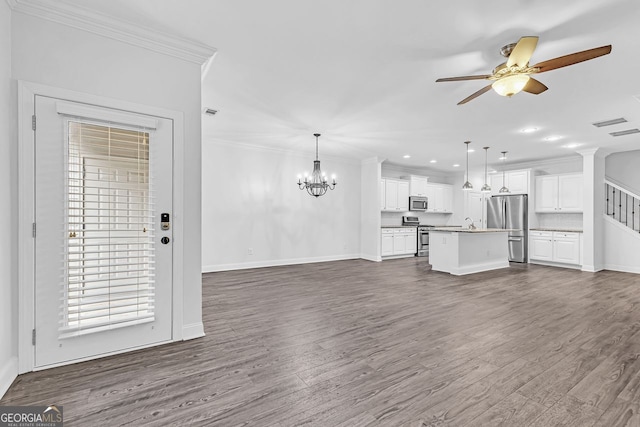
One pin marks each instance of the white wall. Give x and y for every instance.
(250, 200)
(622, 168)
(621, 244)
(57, 55)
(8, 213)
(621, 247)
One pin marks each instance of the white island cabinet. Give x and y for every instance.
(461, 251)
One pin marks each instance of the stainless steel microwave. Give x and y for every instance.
(418, 203)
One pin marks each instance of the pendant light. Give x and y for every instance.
(316, 184)
(486, 188)
(467, 185)
(504, 188)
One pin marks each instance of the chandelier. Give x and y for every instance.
(316, 184)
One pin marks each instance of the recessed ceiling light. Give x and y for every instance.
(552, 138)
(572, 145)
(433, 161)
(470, 150)
(406, 156)
(528, 130)
(456, 165)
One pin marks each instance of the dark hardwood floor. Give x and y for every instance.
(356, 343)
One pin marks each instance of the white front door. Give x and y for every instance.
(103, 262)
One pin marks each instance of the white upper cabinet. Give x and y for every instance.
(396, 195)
(440, 198)
(516, 181)
(403, 196)
(418, 185)
(547, 193)
(495, 181)
(559, 193)
(570, 193)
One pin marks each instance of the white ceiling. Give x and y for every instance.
(362, 73)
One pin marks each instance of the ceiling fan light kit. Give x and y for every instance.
(514, 76)
(510, 85)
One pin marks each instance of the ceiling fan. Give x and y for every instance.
(513, 76)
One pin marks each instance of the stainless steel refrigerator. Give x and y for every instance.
(511, 212)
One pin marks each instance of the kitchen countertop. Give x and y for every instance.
(420, 225)
(566, 230)
(477, 230)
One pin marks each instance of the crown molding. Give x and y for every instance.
(533, 164)
(94, 22)
(279, 150)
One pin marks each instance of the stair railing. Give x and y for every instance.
(622, 205)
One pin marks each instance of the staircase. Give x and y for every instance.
(622, 205)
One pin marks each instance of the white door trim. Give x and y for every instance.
(26, 209)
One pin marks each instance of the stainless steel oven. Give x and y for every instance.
(423, 241)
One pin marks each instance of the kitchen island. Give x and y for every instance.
(459, 251)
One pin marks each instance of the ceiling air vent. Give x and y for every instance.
(625, 132)
(610, 122)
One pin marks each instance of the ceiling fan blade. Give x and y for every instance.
(521, 53)
(475, 95)
(573, 58)
(534, 86)
(457, 79)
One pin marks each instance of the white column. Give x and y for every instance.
(594, 204)
(370, 219)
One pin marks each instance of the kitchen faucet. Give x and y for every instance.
(471, 225)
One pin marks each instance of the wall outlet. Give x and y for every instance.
(250, 251)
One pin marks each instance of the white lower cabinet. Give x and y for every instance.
(555, 246)
(541, 246)
(566, 248)
(398, 241)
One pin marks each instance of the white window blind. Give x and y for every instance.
(109, 265)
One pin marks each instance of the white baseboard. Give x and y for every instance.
(192, 331)
(275, 263)
(8, 373)
(591, 268)
(623, 268)
(477, 268)
(375, 258)
(558, 264)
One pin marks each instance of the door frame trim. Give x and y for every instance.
(26, 206)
